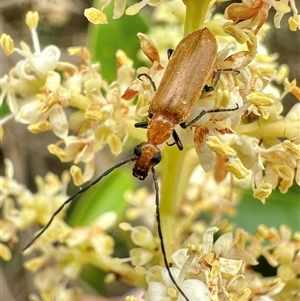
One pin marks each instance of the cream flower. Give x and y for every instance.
(48, 108)
(40, 88)
(255, 12)
(194, 289)
(97, 16)
(78, 150)
(30, 73)
(148, 245)
(21, 208)
(142, 206)
(29, 77)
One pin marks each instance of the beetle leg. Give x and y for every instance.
(219, 72)
(143, 124)
(169, 53)
(177, 141)
(171, 144)
(150, 79)
(208, 88)
(184, 125)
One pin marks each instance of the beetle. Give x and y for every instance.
(189, 68)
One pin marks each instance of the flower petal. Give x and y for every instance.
(47, 60)
(195, 290)
(30, 112)
(59, 122)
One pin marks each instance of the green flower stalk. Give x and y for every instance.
(195, 14)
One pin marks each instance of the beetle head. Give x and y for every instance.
(147, 155)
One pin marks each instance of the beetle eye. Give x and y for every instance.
(156, 159)
(137, 151)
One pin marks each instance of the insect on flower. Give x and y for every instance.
(190, 66)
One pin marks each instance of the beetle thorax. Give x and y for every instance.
(159, 129)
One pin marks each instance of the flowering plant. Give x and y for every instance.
(199, 187)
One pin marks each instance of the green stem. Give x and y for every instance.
(176, 168)
(195, 14)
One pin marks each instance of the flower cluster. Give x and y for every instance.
(73, 101)
(64, 255)
(221, 269)
(22, 209)
(250, 12)
(213, 263)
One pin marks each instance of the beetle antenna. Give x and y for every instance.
(160, 235)
(71, 198)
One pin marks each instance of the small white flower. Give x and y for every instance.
(194, 289)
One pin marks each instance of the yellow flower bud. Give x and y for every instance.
(93, 115)
(236, 32)
(39, 127)
(7, 44)
(115, 144)
(76, 174)
(34, 264)
(219, 147)
(57, 151)
(95, 16)
(123, 59)
(285, 185)
(294, 23)
(237, 168)
(242, 295)
(172, 293)
(80, 51)
(261, 99)
(32, 19)
(282, 73)
(284, 171)
(262, 192)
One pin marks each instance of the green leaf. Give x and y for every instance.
(4, 110)
(107, 195)
(279, 209)
(105, 40)
(95, 278)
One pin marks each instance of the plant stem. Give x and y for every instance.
(195, 14)
(177, 167)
